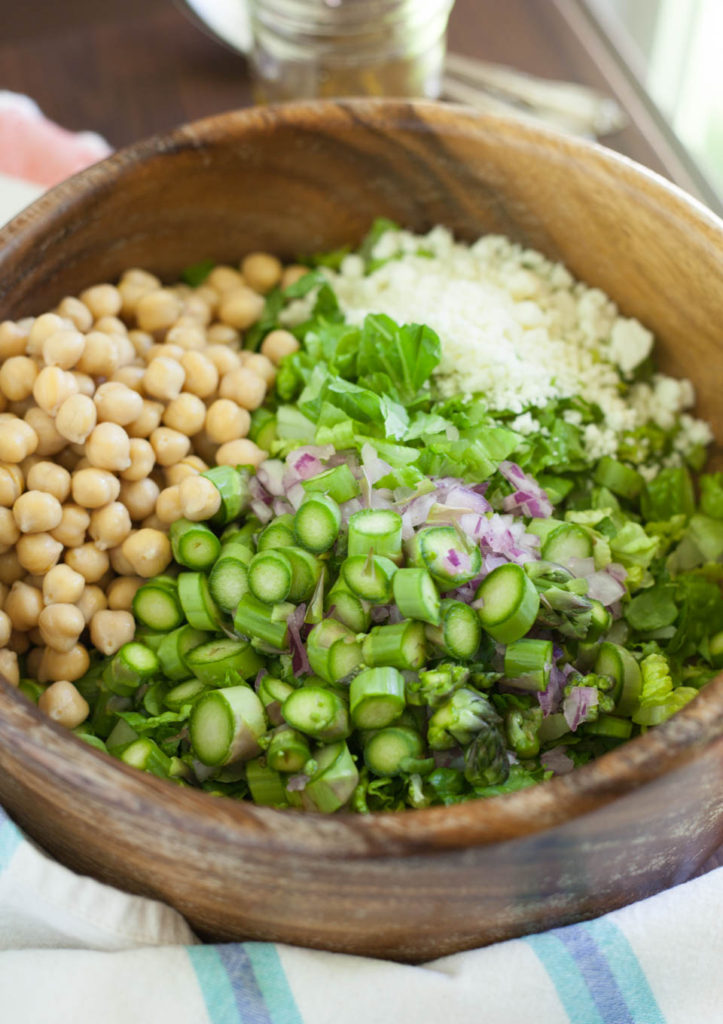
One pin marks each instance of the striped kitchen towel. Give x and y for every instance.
(74, 951)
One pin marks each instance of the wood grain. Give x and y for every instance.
(422, 883)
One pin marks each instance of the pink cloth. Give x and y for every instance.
(35, 149)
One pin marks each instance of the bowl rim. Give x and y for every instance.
(528, 811)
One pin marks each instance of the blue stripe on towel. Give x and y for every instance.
(215, 985)
(627, 971)
(10, 839)
(249, 999)
(567, 979)
(273, 983)
(596, 973)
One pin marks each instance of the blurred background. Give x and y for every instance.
(128, 68)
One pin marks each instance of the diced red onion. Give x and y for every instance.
(581, 566)
(297, 783)
(557, 761)
(529, 497)
(617, 571)
(551, 697)
(380, 613)
(577, 704)
(296, 495)
(261, 510)
(603, 587)
(299, 660)
(374, 467)
(270, 475)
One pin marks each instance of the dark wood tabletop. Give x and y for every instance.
(130, 68)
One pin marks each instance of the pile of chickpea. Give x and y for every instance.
(110, 408)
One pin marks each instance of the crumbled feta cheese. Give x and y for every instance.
(525, 424)
(515, 327)
(630, 344)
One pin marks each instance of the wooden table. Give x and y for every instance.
(129, 68)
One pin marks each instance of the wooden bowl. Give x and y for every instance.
(417, 884)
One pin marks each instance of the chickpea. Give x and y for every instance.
(139, 497)
(188, 339)
(132, 285)
(12, 482)
(38, 552)
(199, 498)
(17, 377)
(110, 525)
(278, 344)
(88, 560)
(62, 585)
(122, 591)
(100, 355)
(119, 563)
(201, 374)
(185, 414)
(52, 386)
(102, 300)
(226, 421)
(164, 378)
(148, 551)
(50, 441)
(174, 475)
(24, 605)
(91, 601)
(41, 328)
(37, 512)
(223, 279)
(108, 447)
(63, 349)
(168, 505)
(164, 350)
(126, 351)
(240, 307)
(76, 418)
(60, 626)
(141, 342)
(197, 310)
(77, 312)
(158, 310)
(170, 446)
(93, 488)
(148, 420)
(261, 271)
(17, 440)
(48, 477)
(13, 339)
(293, 273)
(240, 453)
(205, 448)
(9, 668)
(32, 662)
(69, 665)
(5, 629)
(117, 403)
(71, 530)
(109, 630)
(262, 367)
(142, 457)
(223, 336)
(245, 388)
(64, 704)
(131, 377)
(11, 568)
(86, 384)
(9, 529)
(20, 642)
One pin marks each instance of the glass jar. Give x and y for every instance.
(309, 48)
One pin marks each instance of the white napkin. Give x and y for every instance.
(76, 951)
